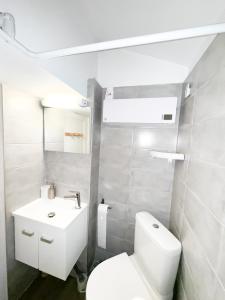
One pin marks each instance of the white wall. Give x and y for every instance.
(27, 75)
(3, 268)
(74, 70)
(127, 68)
(54, 24)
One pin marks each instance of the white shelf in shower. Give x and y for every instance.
(167, 155)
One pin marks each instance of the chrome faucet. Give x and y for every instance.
(75, 195)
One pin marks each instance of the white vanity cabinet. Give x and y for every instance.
(53, 246)
(52, 256)
(26, 241)
(60, 249)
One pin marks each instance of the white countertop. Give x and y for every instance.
(65, 211)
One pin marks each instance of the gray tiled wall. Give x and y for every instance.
(130, 180)
(23, 150)
(198, 203)
(70, 172)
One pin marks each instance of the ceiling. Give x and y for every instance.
(52, 24)
(117, 19)
(45, 25)
(49, 24)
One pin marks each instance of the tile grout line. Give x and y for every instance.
(203, 252)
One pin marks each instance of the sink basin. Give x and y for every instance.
(38, 210)
(50, 235)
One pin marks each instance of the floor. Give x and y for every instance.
(51, 288)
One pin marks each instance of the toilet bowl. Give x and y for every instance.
(148, 274)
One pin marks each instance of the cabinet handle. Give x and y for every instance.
(45, 240)
(27, 233)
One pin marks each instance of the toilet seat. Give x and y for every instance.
(117, 279)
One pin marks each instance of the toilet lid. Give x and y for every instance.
(117, 279)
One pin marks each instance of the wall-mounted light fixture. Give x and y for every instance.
(69, 102)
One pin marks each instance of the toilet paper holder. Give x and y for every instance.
(103, 202)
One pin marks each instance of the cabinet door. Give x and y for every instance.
(52, 252)
(26, 242)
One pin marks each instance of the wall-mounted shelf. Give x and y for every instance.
(72, 134)
(167, 155)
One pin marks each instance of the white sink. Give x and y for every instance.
(51, 244)
(65, 211)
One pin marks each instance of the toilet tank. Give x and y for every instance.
(157, 252)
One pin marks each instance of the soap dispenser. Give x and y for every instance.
(52, 191)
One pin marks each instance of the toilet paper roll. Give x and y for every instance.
(102, 224)
(44, 191)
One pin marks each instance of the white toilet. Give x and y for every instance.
(148, 274)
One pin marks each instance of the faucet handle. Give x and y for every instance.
(74, 192)
(77, 195)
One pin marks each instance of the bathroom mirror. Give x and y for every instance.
(67, 130)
